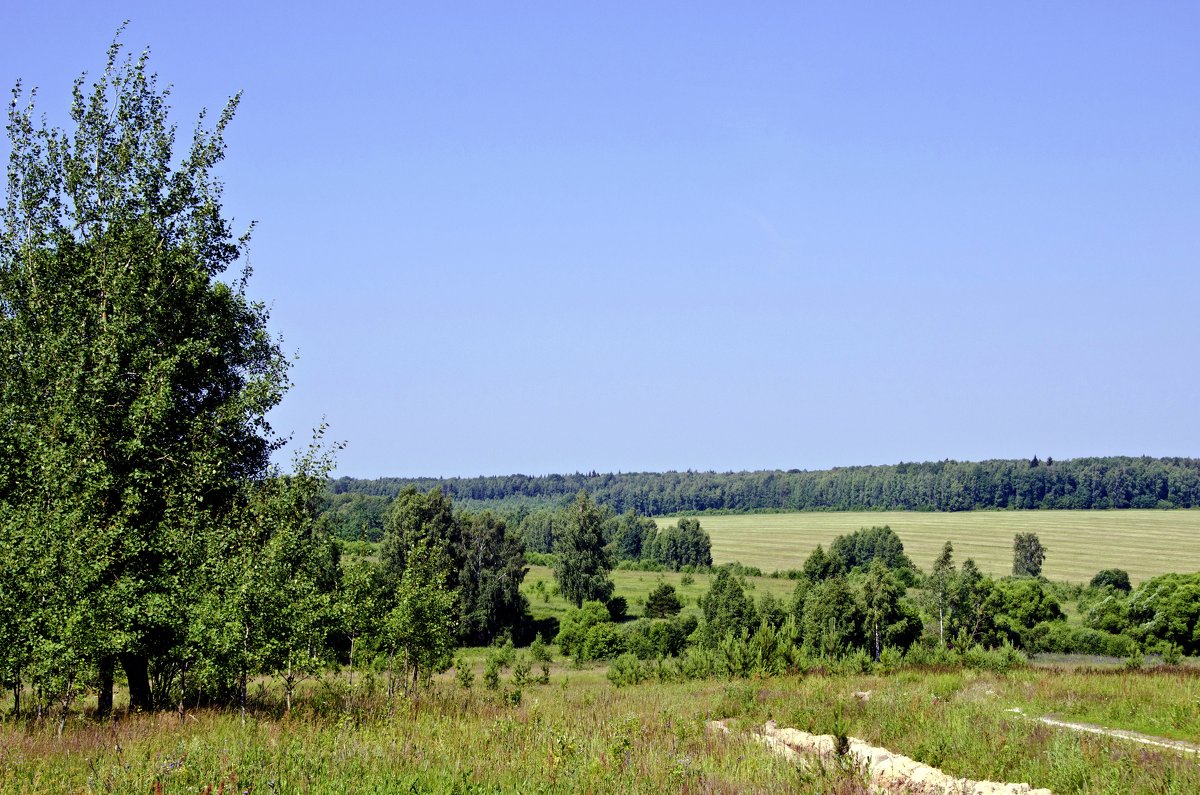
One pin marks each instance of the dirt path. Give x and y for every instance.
(1121, 734)
(888, 772)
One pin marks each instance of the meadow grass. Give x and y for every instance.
(635, 586)
(1079, 543)
(578, 733)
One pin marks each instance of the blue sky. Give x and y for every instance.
(545, 237)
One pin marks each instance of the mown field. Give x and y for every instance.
(1078, 543)
(578, 733)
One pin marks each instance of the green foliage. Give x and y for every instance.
(602, 642)
(421, 625)
(649, 640)
(522, 668)
(726, 609)
(684, 544)
(583, 563)
(1058, 637)
(1028, 555)
(630, 533)
(1017, 605)
(490, 563)
(881, 606)
(663, 602)
(417, 518)
(820, 566)
(1166, 609)
(971, 618)
(1114, 482)
(939, 588)
(1117, 579)
(135, 390)
(574, 627)
(464, 677)
(355, 517)
(627, 670)
(859, 549)
(539, 529)
(832, 618)
(618, 608)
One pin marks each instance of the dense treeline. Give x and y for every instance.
(1114, 482)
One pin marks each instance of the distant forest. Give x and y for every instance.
(1116, 482)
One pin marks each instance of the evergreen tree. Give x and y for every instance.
(726, 609)
(663, 602)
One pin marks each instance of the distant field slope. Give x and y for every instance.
(1078, 543)
(1114, 482)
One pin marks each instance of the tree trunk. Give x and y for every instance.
(182, 688)
(104, 698)
(137, 671)
(17, 694)
(245, 664)
(288, 684)
(68, 697)
(352, 641)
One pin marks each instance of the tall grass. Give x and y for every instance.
(580, 734)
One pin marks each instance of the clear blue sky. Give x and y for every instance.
(545, 237)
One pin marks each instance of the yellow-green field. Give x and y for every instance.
(1078, 543)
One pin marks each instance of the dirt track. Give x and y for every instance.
(888, 772)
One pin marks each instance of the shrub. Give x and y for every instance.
(663, 602)
(521, 671)
(577, 623)
(618, 607)
(626, 669)
(603, 642)
(463, 674)
(1117, 579)
(999, 660)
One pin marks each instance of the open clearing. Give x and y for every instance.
(1078, 543)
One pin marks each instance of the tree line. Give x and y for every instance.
(864, 601)
(1093, 483)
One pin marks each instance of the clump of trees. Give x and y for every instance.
(588, 540)
(143, 529)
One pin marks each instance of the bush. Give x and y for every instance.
(1057, 637)
(1117, 579)
(577, 623)
(921, 654)
(627, 670)
(663, 602)
(603, 642)
(463, 674)
(618, 608)
(999, 660)
(1172, 654)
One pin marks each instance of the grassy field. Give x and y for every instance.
(1078, 543)
(578, 733)
(635, 586)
